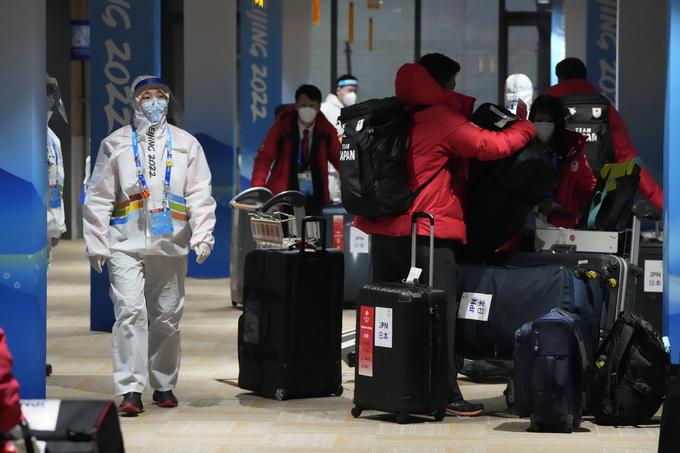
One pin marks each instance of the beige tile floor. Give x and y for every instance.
(216, 416)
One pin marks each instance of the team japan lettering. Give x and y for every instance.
(477, 306)
(347, 153)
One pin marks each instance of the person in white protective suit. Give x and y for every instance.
(518, 86)
(149, 200)
(56, 224)
(346, 90)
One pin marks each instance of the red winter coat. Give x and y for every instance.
(442, 135)
(623, 146)
(281, 145)
(576, 184)
(10, 409)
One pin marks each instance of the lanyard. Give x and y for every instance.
(140, 169)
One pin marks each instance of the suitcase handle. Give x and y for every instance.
(303, 233)
(414, 228)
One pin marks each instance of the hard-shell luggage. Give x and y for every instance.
(289, 332)
(552, 356)
(401, 337)
(81, 425)
(241, 238)
(355, 245)
(629, 377)
(496, 301)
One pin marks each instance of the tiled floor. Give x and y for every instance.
(216, 416)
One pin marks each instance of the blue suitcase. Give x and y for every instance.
(551, 357)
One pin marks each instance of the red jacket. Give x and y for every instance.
(280, 147)
(442, 135)
(576, 184)
(10, 409)
(623, 146)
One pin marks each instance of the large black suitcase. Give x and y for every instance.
(289, 332)
(356, 248)
(82, 427)
(401, 336)
(553, 352)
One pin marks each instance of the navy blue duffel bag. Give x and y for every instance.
(496, 301)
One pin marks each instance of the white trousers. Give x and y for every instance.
(148, 299)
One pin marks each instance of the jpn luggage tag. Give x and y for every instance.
(160, 218)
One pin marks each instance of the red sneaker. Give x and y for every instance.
(131, 404)
(164, 398)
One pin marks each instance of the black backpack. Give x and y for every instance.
(589, 114)
(374, 181)
(501, 193)
(628, 379)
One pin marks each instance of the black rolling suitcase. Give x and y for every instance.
(649, 293)
(82, 426)
(289, 332)
(401, 336)
(552, 355)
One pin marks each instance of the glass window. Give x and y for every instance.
(321, 49)
(523, 52)
(393, 44)
(467, 31)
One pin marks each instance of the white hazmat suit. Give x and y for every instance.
(147, 268)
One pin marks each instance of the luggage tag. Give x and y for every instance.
(160, 218)
(55, 196)
(305, 183)
(413, 275)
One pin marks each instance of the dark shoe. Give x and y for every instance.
(463, 408)
(164, 399)
(131, 404)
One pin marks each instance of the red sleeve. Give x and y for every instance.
(10, 409)
(471, 141)
(266, 154)
(625, 151)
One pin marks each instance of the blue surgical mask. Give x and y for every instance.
(154, 109)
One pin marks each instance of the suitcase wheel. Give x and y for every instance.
(280, 395)
(439, 414)
(339, 390)
(509, 395)
(356, 411)
(402, 419)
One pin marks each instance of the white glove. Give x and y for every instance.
(202, 252)
(97, 263)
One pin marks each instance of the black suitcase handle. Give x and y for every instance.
(303, 233)
(414, 228)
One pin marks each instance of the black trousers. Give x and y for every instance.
(391, 258)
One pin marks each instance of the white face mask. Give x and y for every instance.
(307, 114)
(349, 99)
(544, 130)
